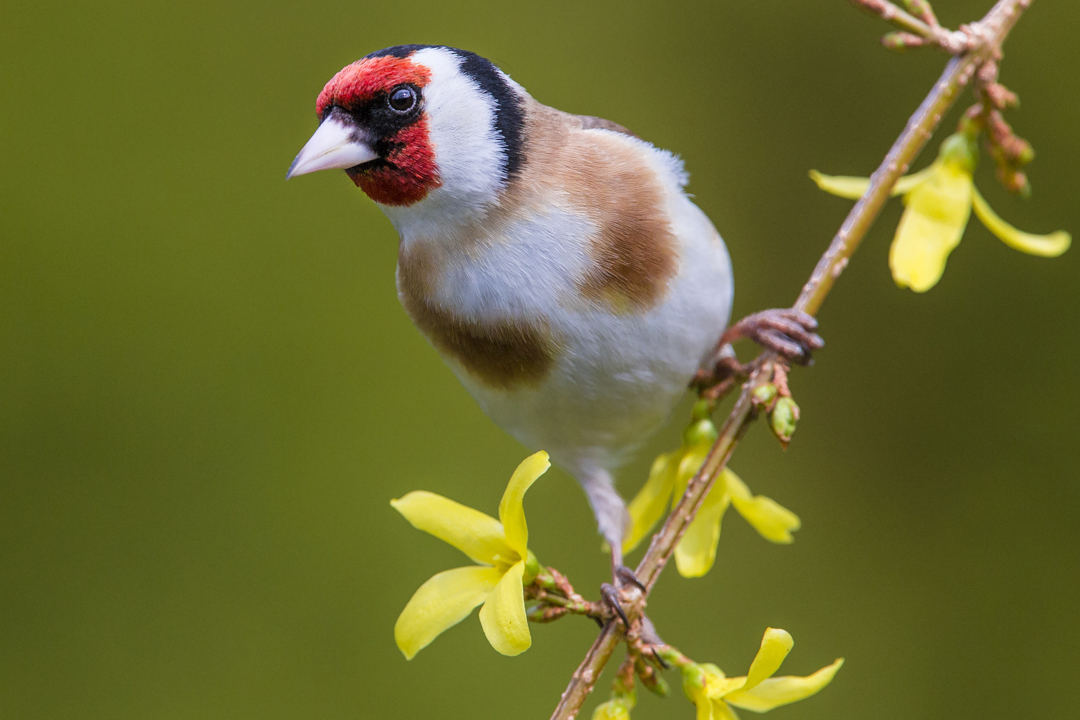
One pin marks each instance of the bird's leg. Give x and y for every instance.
(720, 374)
(621, 577)
(613, 519)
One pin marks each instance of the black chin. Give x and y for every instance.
(366, 167)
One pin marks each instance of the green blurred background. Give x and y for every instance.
(208, 391)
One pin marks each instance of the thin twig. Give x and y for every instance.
(989, 33)
(951, 41)
(892, 13)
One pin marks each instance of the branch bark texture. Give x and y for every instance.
(987, 36)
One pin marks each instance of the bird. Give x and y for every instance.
(555, 261)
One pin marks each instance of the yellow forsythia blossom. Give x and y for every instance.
(939, 201)
(504, 566)
(670, 473)
(714, 694)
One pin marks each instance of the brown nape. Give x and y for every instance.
(610, 180)
(589, 122)
(506, 355)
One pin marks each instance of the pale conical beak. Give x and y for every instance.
(334, 145)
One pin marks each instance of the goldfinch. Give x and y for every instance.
(553, 260)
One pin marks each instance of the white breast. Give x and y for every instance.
(617, 375)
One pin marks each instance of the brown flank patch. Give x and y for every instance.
(610, 181)
(505, 355)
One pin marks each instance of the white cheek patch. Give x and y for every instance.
(461, 122)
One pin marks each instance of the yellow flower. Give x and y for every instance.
(939, 201)
(670, 473)
(504, 566)
(758, 690)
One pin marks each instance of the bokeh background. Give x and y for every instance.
(208, 391)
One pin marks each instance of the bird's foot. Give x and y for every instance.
(625, 577)
(612, 594)
(786, 331)
(722, 373)
(611, 599)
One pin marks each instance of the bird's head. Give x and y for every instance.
(419, 125)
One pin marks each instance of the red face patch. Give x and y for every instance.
(364, 79)
(408, 171)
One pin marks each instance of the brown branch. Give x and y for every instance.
(988, 34)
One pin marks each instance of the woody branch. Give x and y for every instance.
(982, 43)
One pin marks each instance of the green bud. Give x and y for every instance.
(783, 419)
(702, 432)
(612, 710)
(693, 678)
(656, 684)
(1024, 152)
(532, 568)
(971, 125)
(764, 395)
(960, 149)
(702, 410)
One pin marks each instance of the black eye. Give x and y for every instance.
(402, 99)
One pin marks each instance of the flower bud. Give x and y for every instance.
(783, 419)
(654, 683)
(1023, 152)
(702, 432)
(764, 395)
(702, 410)
(612, 710)
(694, 679)
(532, 568)
(902, 41)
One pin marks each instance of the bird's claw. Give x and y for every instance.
(610, 596)
(625, 576)
(786, 331)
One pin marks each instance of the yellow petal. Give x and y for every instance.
(772, 521)
(440, 603)
(775, 692)
(688, 465)
(696, 551)
(1050, 245)
(775, 646)
(511, 510)
(649, 504)
(718, 687)
(479, 536)
(937, 213)
(723, 711)
(503, 615)
(704, 708)
(854, 187)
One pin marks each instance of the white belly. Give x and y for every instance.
(617, 376)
